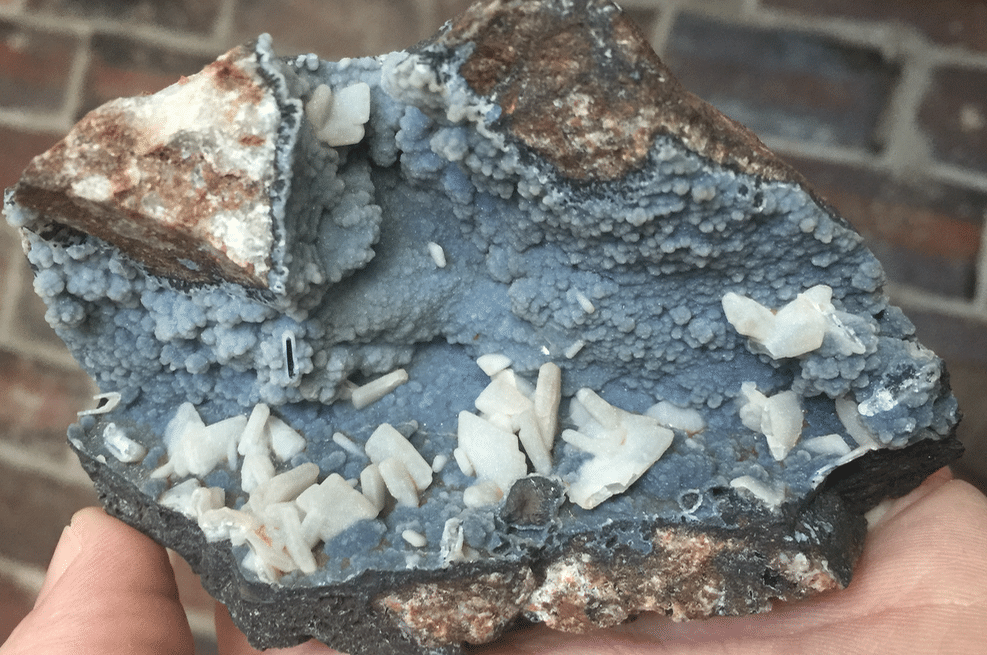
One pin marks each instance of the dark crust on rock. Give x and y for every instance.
(593, 581)
(585, 91)
(887, 473)
(696, 572)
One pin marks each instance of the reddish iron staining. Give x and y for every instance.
(587, 92)
(252, 140)
(687, 578)
(228, 76)
(474, 611)
(162, 198)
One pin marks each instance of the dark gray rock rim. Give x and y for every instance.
(346, 618)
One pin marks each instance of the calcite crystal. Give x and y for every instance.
(398, 351)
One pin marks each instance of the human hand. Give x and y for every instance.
(110, 590)
(919, 588)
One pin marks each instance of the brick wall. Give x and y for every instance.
(882, 104)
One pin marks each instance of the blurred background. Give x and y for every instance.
(881, 104)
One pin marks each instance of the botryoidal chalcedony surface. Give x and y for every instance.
(396, 350)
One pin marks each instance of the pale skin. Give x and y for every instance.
(920, 588)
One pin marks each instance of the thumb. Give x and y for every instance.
(109, 590)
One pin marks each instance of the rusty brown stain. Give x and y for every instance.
(229, 76)
(454, 611)
(586, 92)
(104, 143)
(252, 140)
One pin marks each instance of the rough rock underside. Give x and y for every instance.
(397, 351)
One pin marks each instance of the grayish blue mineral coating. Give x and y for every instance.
(357, 295)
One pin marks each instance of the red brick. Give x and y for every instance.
(968, 383)
(351, 28)
(949, 22)
(958, 340)
(34, 68)
(19, 148)
(784, 83)
(38, 402)
(926, 234)
(15, 603)
(122, 67)
(29, 325)
(447, 9)
(33, 511)
(954, 116)
(197, 16)
(962, 343)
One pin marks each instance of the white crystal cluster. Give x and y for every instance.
(339, 117)
(778, 417)
(511, 415)
(289, 514)
(797, 328)
(623, 445)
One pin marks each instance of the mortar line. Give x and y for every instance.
(192, 43)
(62, 25)
(729, 11)
(908, 297)
(662, 27)
(834, 154)
(9, 11)
(854, 32)
(956, 56)
(197, 44)
(906, 148)
(75, 89)
(223, 28)
(30, 121)
(656, 5)
(980, 284)
(35, 463)
(958, 175)
(201, 622)
(13, 281)
(51, 355)
(28, 577)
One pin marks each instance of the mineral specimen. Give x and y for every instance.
(397, 350)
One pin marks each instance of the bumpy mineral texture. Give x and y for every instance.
(397, 351)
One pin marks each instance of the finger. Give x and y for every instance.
(233, 642)
(920, 587)
(894, 506)
(111, 590)
(66, 551)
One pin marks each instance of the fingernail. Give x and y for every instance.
(66, 551)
